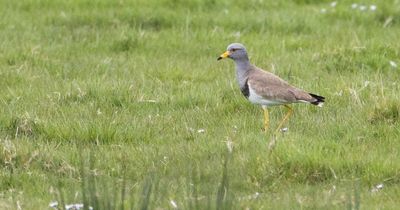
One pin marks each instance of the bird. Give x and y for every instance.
(265, 88)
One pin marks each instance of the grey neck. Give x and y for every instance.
(243, 67)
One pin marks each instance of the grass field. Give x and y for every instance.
(123, 105)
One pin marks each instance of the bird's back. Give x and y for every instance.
(270, 86)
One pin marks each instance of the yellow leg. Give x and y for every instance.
(266, 118)
(289, 112)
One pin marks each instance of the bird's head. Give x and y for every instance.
(235, 51)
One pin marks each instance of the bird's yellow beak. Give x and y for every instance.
(224, 55)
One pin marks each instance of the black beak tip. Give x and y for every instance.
(219, 58)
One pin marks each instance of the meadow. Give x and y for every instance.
(123, 105)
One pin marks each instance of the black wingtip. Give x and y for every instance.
(319, 99)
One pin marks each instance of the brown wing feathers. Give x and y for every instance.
(271, 86)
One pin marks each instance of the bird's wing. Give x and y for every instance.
(272, 87)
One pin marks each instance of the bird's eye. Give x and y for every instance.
(233, 50)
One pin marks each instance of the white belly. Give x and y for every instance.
(257, 99)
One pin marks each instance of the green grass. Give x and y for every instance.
(132, 82)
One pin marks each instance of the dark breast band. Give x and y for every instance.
(245, 89)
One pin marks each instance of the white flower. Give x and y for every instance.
(173, 204)
(354, 6)
(74, 206)
(393, 64)
(255, 195)
(53, 204)
(333, 4)
(377, 188)
(372, 7)
(201, 130)
(323, 10)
